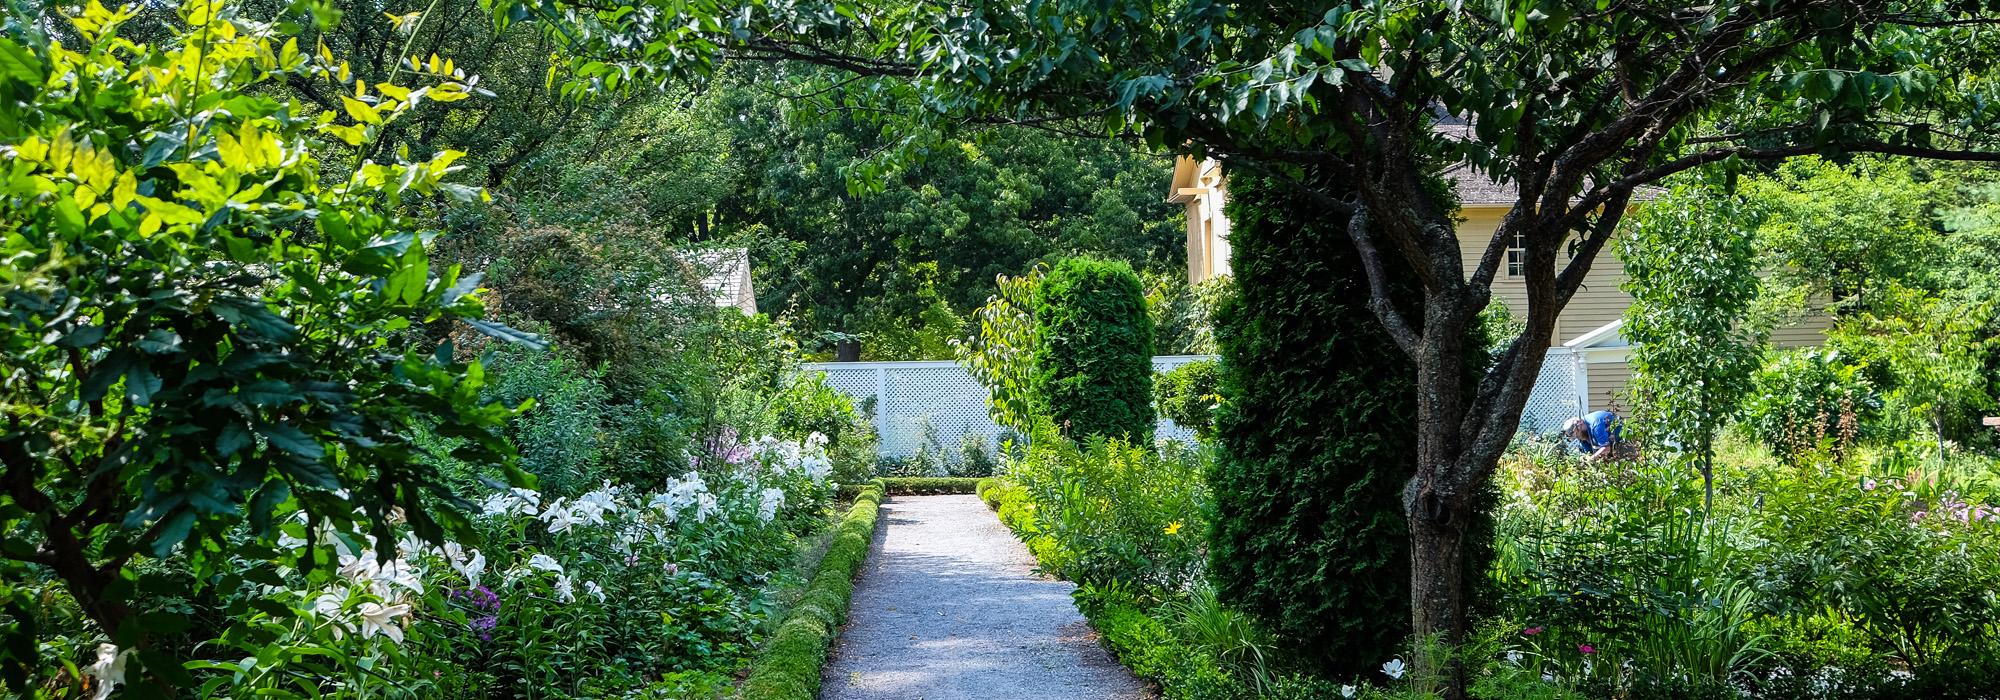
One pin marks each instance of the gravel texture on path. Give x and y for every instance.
(948, 607)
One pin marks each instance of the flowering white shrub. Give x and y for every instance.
(601, 594)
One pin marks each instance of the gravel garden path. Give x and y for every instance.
(948, 608)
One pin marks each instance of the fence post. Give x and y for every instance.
(881, 404)
(1579, 364)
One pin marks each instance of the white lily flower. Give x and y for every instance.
(332, 605)
(705, 506)
(513, 502)
(564, 591)
(410, 543)
(1393, 668)
(472, 567)
(398, 573)
(594, 590)
(602, 500)
(589, 512)
(1346, 691)
(360, 566)
(559, 517)
(381, 619)
(109, 671)
(544, 562)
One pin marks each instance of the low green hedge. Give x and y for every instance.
(790, 665)
(917, 486)
(930, 485)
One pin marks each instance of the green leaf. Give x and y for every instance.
(253, 318)
(232, 438)
(160, 341)
(17, 63)
(265, 503)
(173, 532)
(406, 284)
(293, 441)
(141, 384)
(507, 333)
(97, 382)
(82, 337)
(268, 392)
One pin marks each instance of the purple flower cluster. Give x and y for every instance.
(1955, 508)
(724, 446)
(485, 606)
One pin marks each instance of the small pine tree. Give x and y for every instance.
(1094, 365)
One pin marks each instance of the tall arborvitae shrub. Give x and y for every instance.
(1316, 430)
(1094, 365)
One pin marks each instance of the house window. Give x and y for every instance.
(1517, 255)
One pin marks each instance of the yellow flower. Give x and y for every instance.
(1173, 529)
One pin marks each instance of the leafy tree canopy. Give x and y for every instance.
(212, 329)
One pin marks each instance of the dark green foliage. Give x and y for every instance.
(1309, 533)
(1094, 367)
(907, 486)
(789, 668)
(562, 440)
(1187, 396)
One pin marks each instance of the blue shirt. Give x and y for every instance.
(1603, 427)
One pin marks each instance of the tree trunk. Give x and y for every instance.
(1437, 592)
(1439, 509)
(848, 350)
(1937, 424)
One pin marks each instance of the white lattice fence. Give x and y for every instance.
(915, 402)
(941, 402)
(1561, 392)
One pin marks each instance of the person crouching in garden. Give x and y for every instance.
(1596, 437)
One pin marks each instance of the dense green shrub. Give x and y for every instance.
(1911, 567)
(789, 668)
(1153, 651)
(1315, 434)
(1093, 371)
(1187, 396)
(1811, 401)
(562, 440)
(206, 332)
(808, 405)
(1000, 352)
(1010, 501)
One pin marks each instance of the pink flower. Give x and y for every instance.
(1867, 484)
(1586, 648)
(1532, 631)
